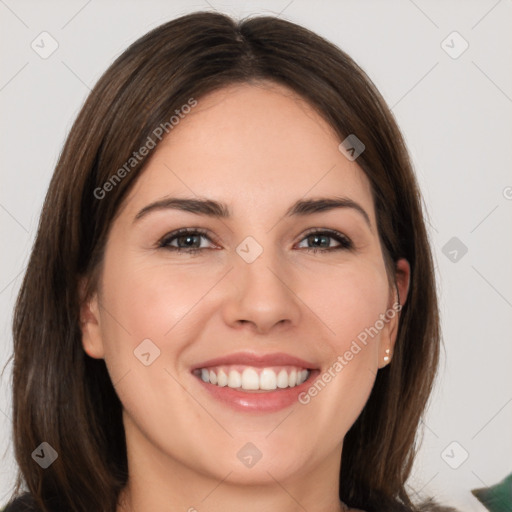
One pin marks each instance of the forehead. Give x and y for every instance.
(258, 145)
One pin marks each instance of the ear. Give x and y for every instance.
(398, 297)
(92, 341)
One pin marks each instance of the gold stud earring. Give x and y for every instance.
(386, 357)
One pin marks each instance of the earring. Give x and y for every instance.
(386, 357)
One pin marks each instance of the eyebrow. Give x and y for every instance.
(216, 209)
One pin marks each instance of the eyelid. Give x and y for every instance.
(348, 244)
(185, 231)
(327, 231)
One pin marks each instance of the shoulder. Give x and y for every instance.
(23, 503)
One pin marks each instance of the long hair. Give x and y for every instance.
(64, 397)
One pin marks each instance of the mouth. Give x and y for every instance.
(253, 379)
(248, 382)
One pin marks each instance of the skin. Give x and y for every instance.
(258, 148)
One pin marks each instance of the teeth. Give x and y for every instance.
(222, 379)
(250, 379)
(282, 379)
(268, 379)
(235, 379)
(253, 379)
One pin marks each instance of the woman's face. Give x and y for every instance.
(255, 306)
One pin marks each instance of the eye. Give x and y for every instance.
(187, 240)
(321, 237)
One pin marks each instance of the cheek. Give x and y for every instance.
(150, 300)
(349, 302)
(346, 301)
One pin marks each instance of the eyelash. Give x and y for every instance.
(344, 241)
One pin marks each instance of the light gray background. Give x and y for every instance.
(456, 115)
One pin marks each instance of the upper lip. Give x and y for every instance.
(257, 360)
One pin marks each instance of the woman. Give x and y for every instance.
(230, 303)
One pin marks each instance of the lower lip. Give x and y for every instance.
(266, 401)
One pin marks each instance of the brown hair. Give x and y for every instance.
(66, 398)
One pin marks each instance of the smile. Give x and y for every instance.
(255, 383)
(254, 378)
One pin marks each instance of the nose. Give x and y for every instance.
(264, 296)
